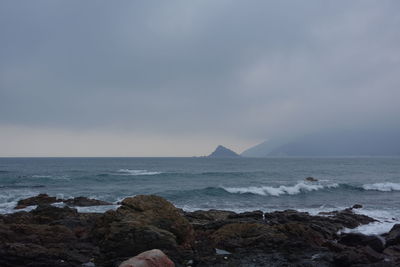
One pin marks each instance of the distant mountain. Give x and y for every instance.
(223, 152)
(349, 143)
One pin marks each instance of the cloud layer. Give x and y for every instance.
(227, 72)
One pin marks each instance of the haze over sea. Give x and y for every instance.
(239, 184)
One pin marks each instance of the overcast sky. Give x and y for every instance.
(177, 78)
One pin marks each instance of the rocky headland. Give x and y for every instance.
(61, 236)
(223, 152)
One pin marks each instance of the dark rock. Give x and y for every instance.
(393, 252)
(46, 236)
(356, 239)
(46, 213)
(37, 200)
(255, 215)
(347, 218)
(353, 256)
(85, 202)
(142, 223)
(311, 179)
(52, 236)
(201, 216)
(393, 238)
(246, 235)
(357, 206)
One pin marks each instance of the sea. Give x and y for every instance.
(236, 184)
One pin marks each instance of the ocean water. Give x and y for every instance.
(241, 184)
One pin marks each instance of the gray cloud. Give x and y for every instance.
(244, 70)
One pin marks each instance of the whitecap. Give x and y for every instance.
(137, 172)
(384, 187)
(97, 209)
(281, 190)
(385, 221)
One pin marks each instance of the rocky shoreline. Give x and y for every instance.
(61, 236)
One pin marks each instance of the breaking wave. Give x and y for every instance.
(384, 187)
(137, 172)
(280, 190)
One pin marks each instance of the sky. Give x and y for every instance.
(178, 78)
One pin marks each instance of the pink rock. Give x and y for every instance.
(150, 258)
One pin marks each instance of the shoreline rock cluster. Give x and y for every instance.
(54, 236)
(43, 199)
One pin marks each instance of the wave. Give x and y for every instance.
(280, 190)
(137, 172)
(386, 219)
(384, 187)
(20, 186)
(50, 177)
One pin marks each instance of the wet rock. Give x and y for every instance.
(142, 223)
(246, 235)
(357, 206)
(209, 215)
(85, 202)
(300, 235)
(353, 256)
(348, 219)
(46, 213)
(393, 237)
(356, 239)
(286, 216)
(37, 200)
(44, 245)
(251, 215)
(311, 179)
(52, 236)
(151, 258)
(154, 210)
(393, 252)
(208, 220)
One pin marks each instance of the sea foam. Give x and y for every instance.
(385, 221)
(281, 190)
(136, 172)
(384, 187)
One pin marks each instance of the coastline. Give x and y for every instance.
(54, 233)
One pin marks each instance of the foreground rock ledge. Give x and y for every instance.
(51, 236)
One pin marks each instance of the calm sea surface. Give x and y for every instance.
(202, 183)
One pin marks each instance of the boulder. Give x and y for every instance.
(141, 223)
(156, 211)
(37, 200)
(150, 258)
